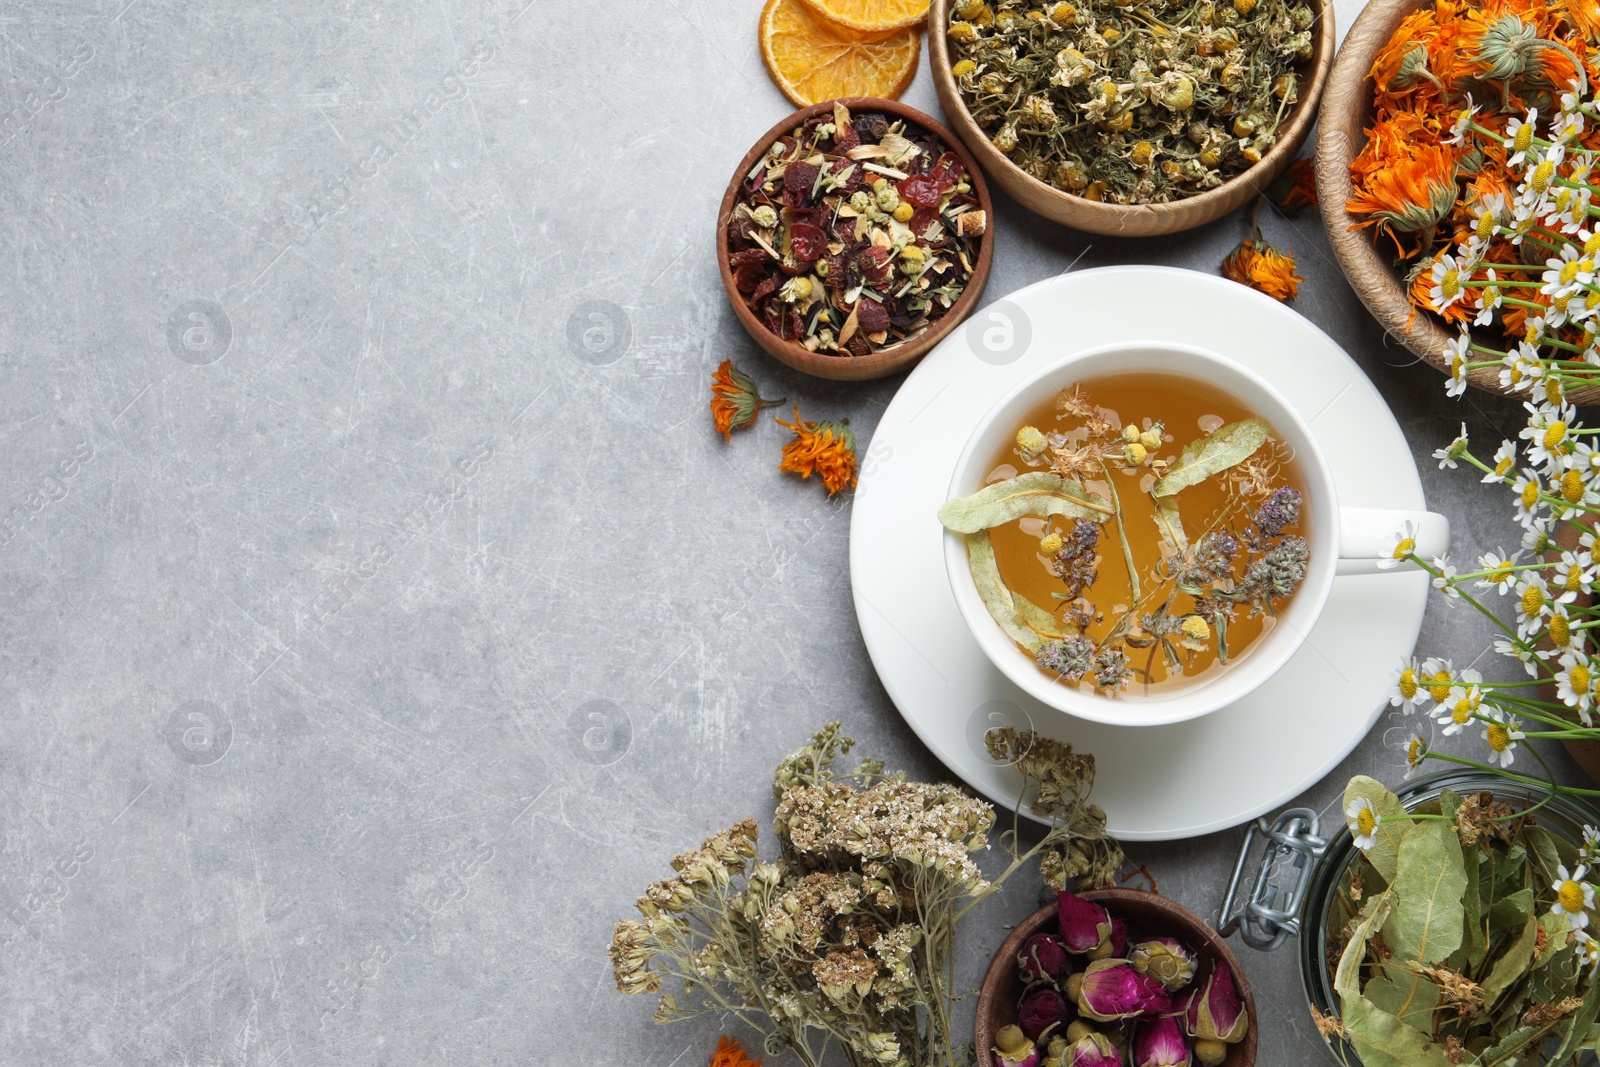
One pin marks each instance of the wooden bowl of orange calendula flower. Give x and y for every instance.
(1407, 171)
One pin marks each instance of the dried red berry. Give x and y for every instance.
(871, 316)
(807, 243)
(800, 179)
(920, 191)
(746, 257)
(748, 277)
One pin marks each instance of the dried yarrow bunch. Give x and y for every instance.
(1131, 103)
(846, 937)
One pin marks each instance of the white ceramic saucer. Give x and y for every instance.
(1155, 782)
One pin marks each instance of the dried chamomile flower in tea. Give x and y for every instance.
(1140, 531)
(854, 234)
(1131, 101)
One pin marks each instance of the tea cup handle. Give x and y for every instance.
(1367, 535)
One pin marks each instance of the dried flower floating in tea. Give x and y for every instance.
(735, 400)
(1110, 499)
(1131, 103)
(854, 234)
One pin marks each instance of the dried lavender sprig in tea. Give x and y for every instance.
(1131, 101)
(1148, 557)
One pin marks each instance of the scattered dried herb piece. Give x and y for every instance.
(735, 400)
(1131, 103)
(854, 234)
(825, 448)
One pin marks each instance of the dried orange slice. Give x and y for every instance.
(813, 59)
(872, 16)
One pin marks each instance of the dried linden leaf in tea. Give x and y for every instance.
(1126, 553)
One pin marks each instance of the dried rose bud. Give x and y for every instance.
(1160, 1043)
(1112, 989)
(1215, 1011)
(1091, 1050)
(1085, 926)
(1209, 1053)
(1164, 958)
(1013, 1049)
(1116, 945)
(1041, 1012)
(1042, 956)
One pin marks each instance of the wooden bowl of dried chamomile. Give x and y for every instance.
(1127, 120)
(854, 237)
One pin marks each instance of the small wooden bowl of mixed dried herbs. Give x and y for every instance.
(853, 237)
(1131, 117)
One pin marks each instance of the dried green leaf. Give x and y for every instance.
(1428, 885)
(1347, 976)
(1408, 997)
(1391, 829)
(1170, 523)
(1381, 1040)
(1040, 494)
(1513, 963)
(1214, 453)
(1510, 912)
(1039, 620)
(1543, 852)
(996, 597)
(1477, 942)
(1575, 1027)
(1512, 1046)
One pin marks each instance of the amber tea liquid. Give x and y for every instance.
(1188, 409)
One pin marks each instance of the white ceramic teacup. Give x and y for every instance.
(1342, 540)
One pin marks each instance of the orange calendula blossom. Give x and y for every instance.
(731, 1054)
(824, 448)
(734, 399)
(1411, 188)
(1296, 187)
(1263, 268)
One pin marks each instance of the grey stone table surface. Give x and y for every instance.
(380, 612)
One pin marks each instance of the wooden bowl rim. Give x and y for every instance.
(885, 361)
(1112, 219)
(1242, 1054)
(1369, 272)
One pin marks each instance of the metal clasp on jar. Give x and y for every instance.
(1283, 875)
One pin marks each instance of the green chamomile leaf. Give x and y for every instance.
(996, 597)
(1040, 494)
(1393, 825)
(1430, 880)
(1214, 453)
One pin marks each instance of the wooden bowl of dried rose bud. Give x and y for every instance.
(1112, 119)
(854, 237)
(1115, 978)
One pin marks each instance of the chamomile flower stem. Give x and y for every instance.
(1521, 779)
(1509, 632)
